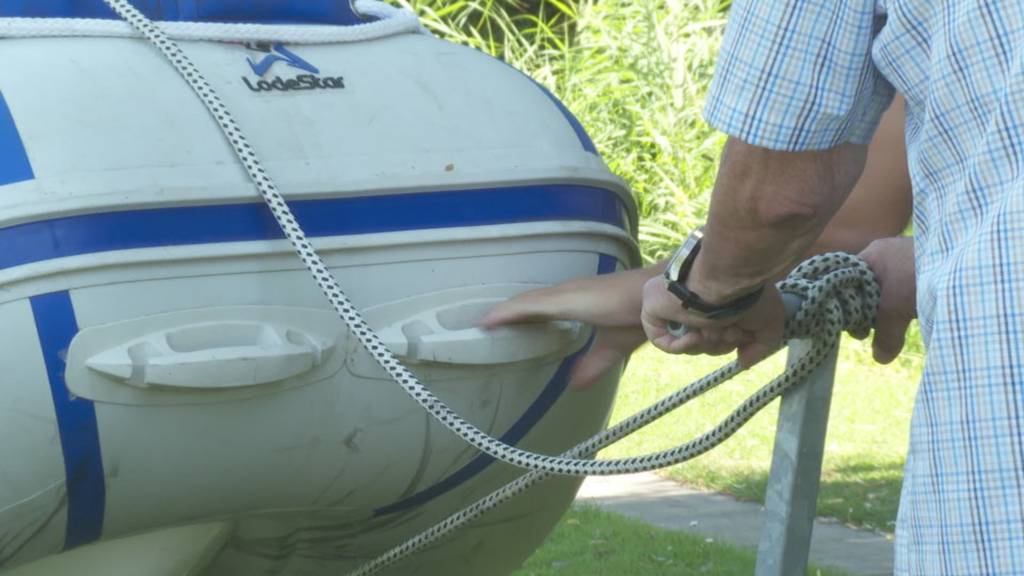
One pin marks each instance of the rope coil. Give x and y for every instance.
(839, 292)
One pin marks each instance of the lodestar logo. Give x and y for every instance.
(275, 53)
(278, 53)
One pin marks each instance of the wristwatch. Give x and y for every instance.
(679, 269)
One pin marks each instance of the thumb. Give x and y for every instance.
(592, 367)
(890, 334)
(610, 349)
(751, 352)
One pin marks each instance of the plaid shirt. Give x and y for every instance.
(810, 74)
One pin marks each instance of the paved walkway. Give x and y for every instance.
(666, 504)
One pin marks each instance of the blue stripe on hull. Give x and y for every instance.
(14, 164)
(76, 423)
(261, 11)
(95, 233)
(533, 415)
(56, 323)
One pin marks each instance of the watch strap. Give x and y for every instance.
(679, 270)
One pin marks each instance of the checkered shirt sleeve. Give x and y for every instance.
(797, 74)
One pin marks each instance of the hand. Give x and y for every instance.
(892, 261)
(611, 304)
(756, 333)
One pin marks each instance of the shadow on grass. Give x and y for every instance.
(593, 542)
(861, 494)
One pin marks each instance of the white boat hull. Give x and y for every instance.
(169, 367)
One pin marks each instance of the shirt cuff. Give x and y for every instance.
(797, 75)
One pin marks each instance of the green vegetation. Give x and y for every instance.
(525, 33)
(590, 542)
(865, 447)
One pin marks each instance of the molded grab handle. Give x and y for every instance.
(449, 335)
(213, 355)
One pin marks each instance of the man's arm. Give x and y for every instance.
(881, 203)
(797, 89)
(767, 208)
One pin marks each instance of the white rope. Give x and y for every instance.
(390, 21)
(839, 293)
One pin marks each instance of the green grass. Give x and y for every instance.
(592, 542)
(637, 80)
(865, 447)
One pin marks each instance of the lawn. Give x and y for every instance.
(865, 451)
(591, 542)
(865, 447)
(862, 470)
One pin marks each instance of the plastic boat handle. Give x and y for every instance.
(449, 335)
(213, 355)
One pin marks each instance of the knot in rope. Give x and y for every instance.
(838, 292)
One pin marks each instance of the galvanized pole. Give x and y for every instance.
(792, 492)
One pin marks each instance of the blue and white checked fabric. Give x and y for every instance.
(810, 74)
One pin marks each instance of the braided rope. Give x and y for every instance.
(838, 290)
(390, 22)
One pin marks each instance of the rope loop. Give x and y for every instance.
(839, 292)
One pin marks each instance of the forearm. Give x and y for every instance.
(767, 208)
(881, 203)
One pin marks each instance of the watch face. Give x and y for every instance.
(678, 270)
(672, 271)
(675, 265)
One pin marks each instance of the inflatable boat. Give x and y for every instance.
(177, 396)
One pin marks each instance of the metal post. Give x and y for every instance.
(792, 492)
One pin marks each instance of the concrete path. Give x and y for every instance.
(666, 504)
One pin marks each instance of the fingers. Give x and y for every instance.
(612, 300)
(715, 341)
(610, 349)
(756, 332)
(592, 367)
(710, 341)
(536, 306)
(753, 352)
(667, 342)
(890, 335)
(660, 308)
(892, 261)
(506, 313)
